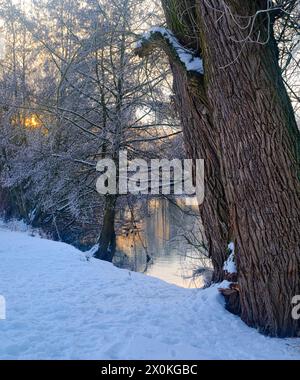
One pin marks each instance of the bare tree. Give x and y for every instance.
(94, 98)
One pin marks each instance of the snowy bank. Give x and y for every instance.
(61, 306)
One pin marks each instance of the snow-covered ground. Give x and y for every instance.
(61, 306)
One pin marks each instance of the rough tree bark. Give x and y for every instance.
(260, 156)
(254, 136)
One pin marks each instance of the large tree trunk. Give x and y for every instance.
(107, 240)
(259, 140)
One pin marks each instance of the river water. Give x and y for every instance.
(158, 244)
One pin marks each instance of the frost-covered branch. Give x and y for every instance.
(164, 39)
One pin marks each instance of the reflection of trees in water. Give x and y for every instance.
(168, 230)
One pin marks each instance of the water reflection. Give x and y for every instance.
(158, 245)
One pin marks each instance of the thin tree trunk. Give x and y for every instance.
(259, 144)
(107, 240)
